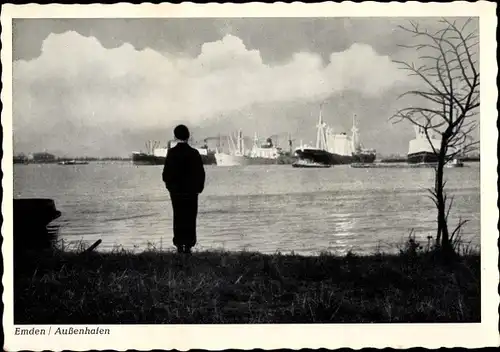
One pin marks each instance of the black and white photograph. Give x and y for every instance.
(205, 167)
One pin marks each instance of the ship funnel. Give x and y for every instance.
(419, 132)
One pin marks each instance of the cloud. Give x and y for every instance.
(77, 84)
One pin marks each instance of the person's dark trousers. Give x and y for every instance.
(185, 208)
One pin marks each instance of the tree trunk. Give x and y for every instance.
(442, 238)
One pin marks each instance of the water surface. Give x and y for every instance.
(265, 208)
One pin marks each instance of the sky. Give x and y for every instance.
(103, 87)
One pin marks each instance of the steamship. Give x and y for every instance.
(422, 150)
(155, 155)
(260, 153)
(334, 148)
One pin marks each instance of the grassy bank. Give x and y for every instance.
(224, 287)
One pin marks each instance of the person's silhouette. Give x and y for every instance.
(184, 177)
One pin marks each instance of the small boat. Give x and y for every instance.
(454, 163)
(73, 162)
(304, 163)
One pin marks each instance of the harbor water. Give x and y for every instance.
(265, 208)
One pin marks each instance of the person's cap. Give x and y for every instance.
(181, 132)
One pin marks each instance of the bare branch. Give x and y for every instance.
(422, 76)
(469, 20)
(427, 95)
(433, 199)
(452, 79)
(457, 230)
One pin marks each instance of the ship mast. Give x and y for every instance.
(420, 132)
(240, 142)
(320, 135)
(232, 147)
(318, 132)
(355, 134)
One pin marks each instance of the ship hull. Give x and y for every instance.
(224, 159)
(306, 164)
(149, 159)
(286, 159)
(327, 158)
(73, 162)
(364, 158)
(20, 161)
(316, 156)
(394, 160)
(260, 161)
(422, 157)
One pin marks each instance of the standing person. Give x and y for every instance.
(184, 177)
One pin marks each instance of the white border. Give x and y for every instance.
(218, 337)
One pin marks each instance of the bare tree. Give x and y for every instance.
(449, 96)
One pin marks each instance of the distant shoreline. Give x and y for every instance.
(19, 162)
(403, 159)
(25, 162)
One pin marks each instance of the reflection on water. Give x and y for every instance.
(257, 208)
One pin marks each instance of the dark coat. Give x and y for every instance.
(184, 172)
